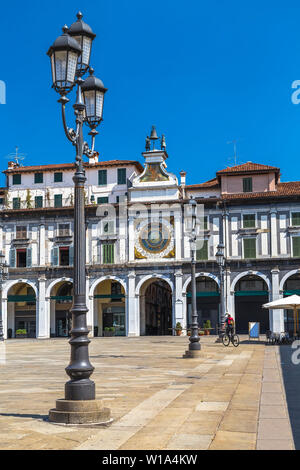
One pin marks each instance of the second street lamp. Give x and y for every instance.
(79, 405)
(221, 263)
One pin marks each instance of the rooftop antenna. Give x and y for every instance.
(16, 156)
(234, 142)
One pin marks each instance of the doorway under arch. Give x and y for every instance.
(21, 311)
(109, 309)
(61, 298)
(251, 292)
(208, 301)
(291, 287)
(155, 308)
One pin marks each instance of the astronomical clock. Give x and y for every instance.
(154, 239)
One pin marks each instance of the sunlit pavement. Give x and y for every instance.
(229, 398)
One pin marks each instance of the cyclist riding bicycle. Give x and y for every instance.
(229, 325)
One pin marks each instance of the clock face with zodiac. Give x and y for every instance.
(154, 239)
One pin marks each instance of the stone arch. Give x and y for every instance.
(153, 277)
(110, 312)
(156, 315)
(248, 300)
(250, 273)
(98, 281)
(9, 284)
(285, 278)
(15, 316)
(54, 282)
(59, 316)
(201, 274)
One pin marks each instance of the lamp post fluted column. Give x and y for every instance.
(221, 263)
(80, 387)
(194, 338)
(70, 55)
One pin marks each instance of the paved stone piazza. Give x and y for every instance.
(229, 398)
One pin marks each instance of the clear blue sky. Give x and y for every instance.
(204, 72)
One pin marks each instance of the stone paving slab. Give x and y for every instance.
(221, 400)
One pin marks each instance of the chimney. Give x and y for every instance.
(94, 158)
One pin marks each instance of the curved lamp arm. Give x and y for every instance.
(70, 133)
(89, 152)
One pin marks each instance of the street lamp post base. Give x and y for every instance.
(219, 339)
(79, 412)
(192, 354)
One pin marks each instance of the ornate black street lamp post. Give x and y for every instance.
(194, 338)
(70, 55)
(3, 276)
(221, 263)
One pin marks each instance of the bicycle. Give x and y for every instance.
(230, 337)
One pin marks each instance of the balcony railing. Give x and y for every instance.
(45, 203)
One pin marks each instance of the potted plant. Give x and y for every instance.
(109, 331)
(207, 327)
(21, 333)
(178, 328)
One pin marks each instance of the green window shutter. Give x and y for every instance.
(57, 200)
(38, 177)
(54, 256)
(16, 203)
(296, 246)
(108, 253)
(202, 253)
(38, 201)
(249, 247)
(12, 258)
(205, 222)
(58, 177)
(102, 177)
(247, 185)
(17, 179)
(28, 258)
(296, 218)
(71, 255)
(102, 200)
(121, 175)
(249, 221)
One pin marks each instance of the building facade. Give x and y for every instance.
(138, 249)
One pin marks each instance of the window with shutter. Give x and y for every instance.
(102, 177)
(29, 258)
(249, 220)
(17, 179)
(296, 247)
(21, 232)
(121, 175)
(38, 178)
(247, 185)
(12, 258)
(16, 203)
(202, 251)
(57, 200)
(38, 201)
(249, 247)
(54, 256)
(58, 177)
(108, 253)
(296, 218)
(102, 200)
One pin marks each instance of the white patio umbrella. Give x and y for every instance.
(291, 302)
